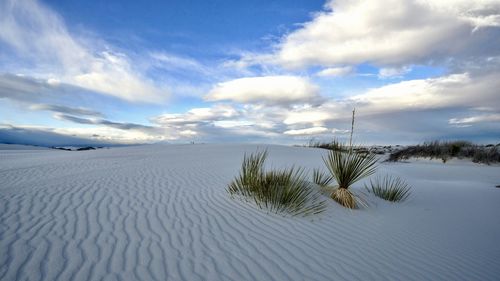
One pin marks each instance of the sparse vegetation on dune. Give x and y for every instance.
(279, 191)
(337, 145)
(333, 145)
(286, 191)
(486, 154)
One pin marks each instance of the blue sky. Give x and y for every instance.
(248, 71)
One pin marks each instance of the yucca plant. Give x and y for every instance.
(321, 179)
(279, 191)
(347, 167)
(389, 188)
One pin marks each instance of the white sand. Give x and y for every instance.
(162, 213)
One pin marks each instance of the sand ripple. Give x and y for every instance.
(161, 213)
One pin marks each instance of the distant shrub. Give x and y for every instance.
(445, 150)
(333, 145)
(279, 191)
(389, 188)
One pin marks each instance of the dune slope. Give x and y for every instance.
(161, 212)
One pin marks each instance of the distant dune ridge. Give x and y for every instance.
(161, 212)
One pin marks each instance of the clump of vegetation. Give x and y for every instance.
(346, 167)
(486, 154)
(280, 191)
(389, 188)
(333, 145)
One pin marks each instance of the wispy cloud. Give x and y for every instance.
(43, 47)
(475, 119)
(335, 71)
(66, 109)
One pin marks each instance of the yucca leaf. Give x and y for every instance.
(389, 188)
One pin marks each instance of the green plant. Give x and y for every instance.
(279, 191)
(348, 167)
(389, 188)
(321, 178)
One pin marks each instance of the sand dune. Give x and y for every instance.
(161, 212)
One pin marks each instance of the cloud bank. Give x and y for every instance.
(394, 32)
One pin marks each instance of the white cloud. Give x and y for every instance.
(113, 135)
(420, 104)
(475, 119)
(335, 71)
(266, 89)
(314, 116)
(43, 135)
(393, 72)
(307, 131)
(456, 90)
(394, 32)
(173, 62)
(233, 123)
(43, 47)
(195, 115)
(339, 131)
(112, 73)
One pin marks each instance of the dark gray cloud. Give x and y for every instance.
(37, 94)
(23, 88)
(116, 125)
(67, 109)
(126, 126)
(74, 119)
(44, 137)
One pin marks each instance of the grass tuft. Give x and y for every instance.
(389, 188)
(279, 191)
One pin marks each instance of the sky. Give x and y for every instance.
(262, 71)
